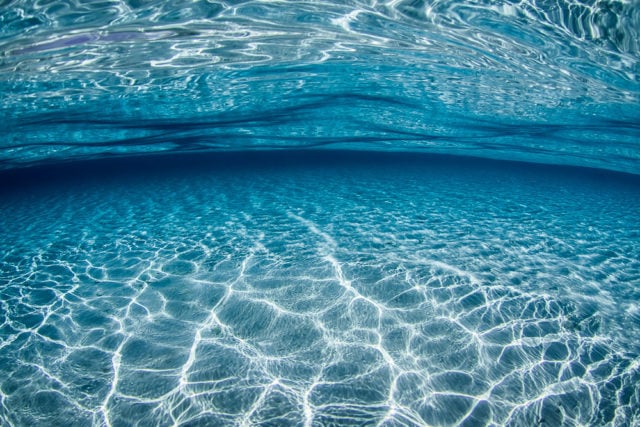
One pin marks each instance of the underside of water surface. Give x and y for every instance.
(535, 80)
(310, 213)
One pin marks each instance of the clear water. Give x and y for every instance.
(536, 80)
(319, 213)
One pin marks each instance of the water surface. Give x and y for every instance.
(534, 80)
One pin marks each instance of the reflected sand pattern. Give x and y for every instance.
(531, 80)
(387, 293)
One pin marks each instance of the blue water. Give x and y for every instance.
(396, 213)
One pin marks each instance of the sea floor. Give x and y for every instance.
(319, 288)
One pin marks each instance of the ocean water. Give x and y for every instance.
(310, 213)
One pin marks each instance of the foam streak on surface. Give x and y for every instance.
(349, 289)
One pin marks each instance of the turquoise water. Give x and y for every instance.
(396, 213)
(534, 80)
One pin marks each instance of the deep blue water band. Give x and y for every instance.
(158, 165)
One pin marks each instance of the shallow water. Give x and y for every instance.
(534, 80)
(293, 213)
(317, 288)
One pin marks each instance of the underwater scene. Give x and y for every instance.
(319, 213)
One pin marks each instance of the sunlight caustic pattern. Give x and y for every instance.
(322, 295)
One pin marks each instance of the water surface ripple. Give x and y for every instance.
(546, 81)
